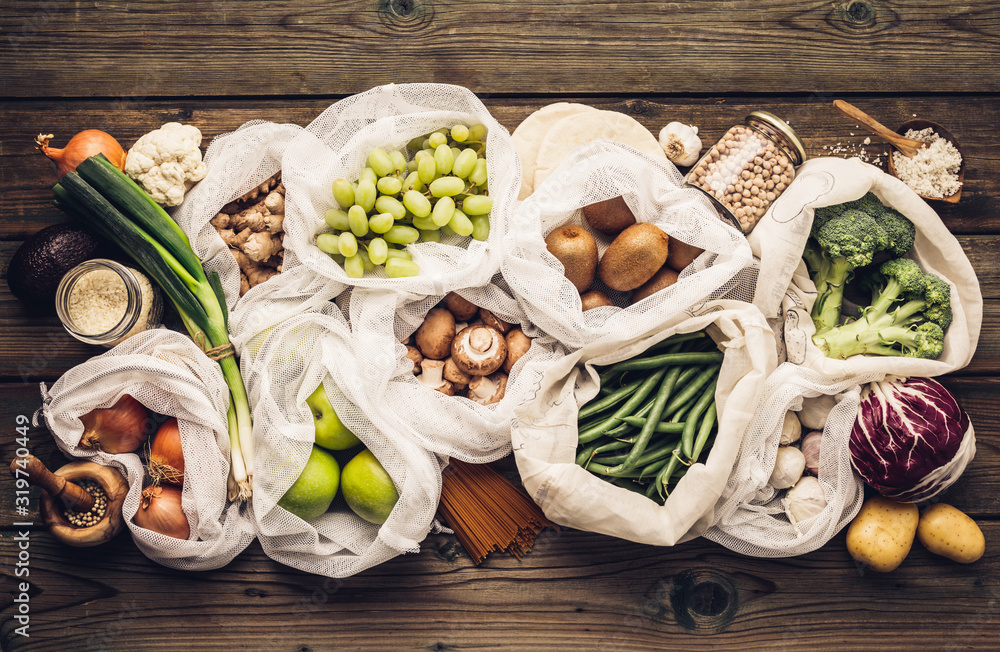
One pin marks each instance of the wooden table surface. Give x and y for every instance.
(128, 67)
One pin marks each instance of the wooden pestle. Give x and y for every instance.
(72, 495)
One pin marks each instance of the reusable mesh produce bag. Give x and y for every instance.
(545, 432)
(453, 426)
(655, 193)
(336, 145)
(169, 374)
(750, 516)
(786, 294)
(238, 162)
(290, 363)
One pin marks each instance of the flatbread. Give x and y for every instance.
(575, 130)
(528, 136)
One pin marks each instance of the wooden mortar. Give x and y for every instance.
(60, 491)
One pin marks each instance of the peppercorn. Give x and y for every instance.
(100, 508)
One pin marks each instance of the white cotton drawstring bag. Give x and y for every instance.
(336, 145)
(751, 517)
(171, 376)
(785, 293)
(545, 434)
(292, 360)
(452, 426)
(654, 191)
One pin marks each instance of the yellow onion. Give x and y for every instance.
(166, 459)
(160, 511)
(81, 147)
(121, 428)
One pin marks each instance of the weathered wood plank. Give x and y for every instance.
(977, 491)
(301, 47)
(575, 590)
(26, 177)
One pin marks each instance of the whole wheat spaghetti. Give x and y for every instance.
(487, 512)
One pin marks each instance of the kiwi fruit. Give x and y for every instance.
(662, 279)
(576, 249)
(682, 254)
(594, 299)
(610, 217)
(634, 256)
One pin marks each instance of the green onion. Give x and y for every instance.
(114, 206)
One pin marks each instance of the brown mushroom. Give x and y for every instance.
(454, 374)
(432, 377)
(487, 390)
(594, 299)
(413, 353)
(479, 350)
(517, 345)
(460, 307)
(436, 333)
(492, 320)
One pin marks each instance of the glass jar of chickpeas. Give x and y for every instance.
(749, 167)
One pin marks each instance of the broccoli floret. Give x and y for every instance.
(899, 231)
(909, 313)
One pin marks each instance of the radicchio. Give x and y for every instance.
(911, 439)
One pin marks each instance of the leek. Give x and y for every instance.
(111, 204)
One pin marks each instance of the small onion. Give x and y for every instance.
(166, 459)
(160, 511)
(121, 428)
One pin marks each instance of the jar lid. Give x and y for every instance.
(797, 150)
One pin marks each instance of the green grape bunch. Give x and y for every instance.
(440, 191)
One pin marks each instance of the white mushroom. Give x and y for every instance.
(435, 335)
(454, 374)
(492, 320)
(479, 350)
(432, 377)
(487, 390)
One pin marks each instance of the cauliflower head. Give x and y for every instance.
(167, 162)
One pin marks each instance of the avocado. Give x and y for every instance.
(40, 262)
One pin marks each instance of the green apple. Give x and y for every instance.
(331, 433)
(311, 494)
(367, 488)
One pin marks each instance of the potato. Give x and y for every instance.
(882, 533)
(949, 532)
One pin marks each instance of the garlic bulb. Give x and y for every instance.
(680, 143)
(788, 467)
(805, 500)
(811, 444)
(815, 411)
(791, 429)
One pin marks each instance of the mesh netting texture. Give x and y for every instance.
(336, 145)
(281, 369)
(545, 432)
(655, 193)
(170, 375)
(448, 425)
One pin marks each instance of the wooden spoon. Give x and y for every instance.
(907, 146)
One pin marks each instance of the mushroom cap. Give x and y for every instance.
(431, 377)
(499, 383)
(435, 335)
(479, 350)
(454, 374)
(460, 307)
(517, 345)
(492, 320)
(413, 353)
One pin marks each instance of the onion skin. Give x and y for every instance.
(121, 428)
(166, 458)
(160, 511)
(80, 147)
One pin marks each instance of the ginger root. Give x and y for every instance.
(252, 227)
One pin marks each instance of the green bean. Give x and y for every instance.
(638, 397)
(612, 399)
(662, 396)
(625, 483)
(687, 438)
(585, 455)
(647, 458)
(692, 388)
(663, 477)
(711, 416)
(670, 359)
(601, 469)
(662, 427)
(679, 338)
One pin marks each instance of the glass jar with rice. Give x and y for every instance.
(103, 302)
